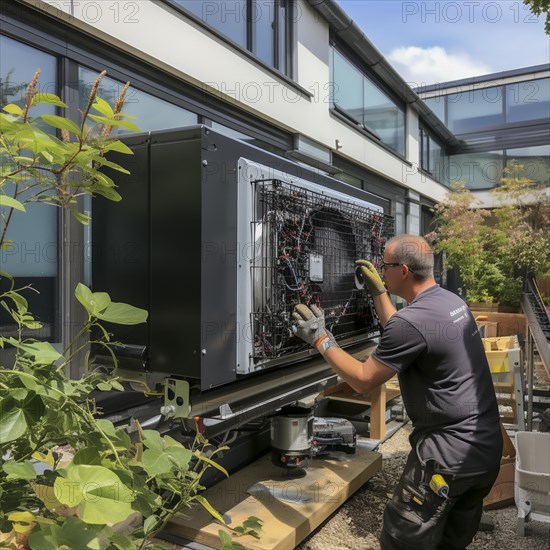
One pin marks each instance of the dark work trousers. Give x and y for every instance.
(417, 518)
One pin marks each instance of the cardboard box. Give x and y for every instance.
(502, 492)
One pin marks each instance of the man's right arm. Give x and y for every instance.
(382, 303)
(384, 307)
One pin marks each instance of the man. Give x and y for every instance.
(434, 346)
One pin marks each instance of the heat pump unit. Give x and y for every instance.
(219, 241)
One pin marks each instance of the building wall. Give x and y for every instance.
(160, 35)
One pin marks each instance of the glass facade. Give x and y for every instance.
(476, 170)
(151, 113)
(437, 105)
(475, 109)
(33, 256)
(535, 161)
(432, 156)
(261, 26)
(528, 100)
(366, 104)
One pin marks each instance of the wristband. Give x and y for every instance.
(324, 343)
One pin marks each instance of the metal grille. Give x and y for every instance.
(306, 244)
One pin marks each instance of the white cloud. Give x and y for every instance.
(420, 66)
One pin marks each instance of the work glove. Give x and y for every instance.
(370, 277)
(310, 327)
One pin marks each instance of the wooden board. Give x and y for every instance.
(291, 508)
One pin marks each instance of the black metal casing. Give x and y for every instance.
(172, 247)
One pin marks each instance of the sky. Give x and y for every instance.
(436, 41)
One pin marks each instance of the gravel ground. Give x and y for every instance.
(357, 523)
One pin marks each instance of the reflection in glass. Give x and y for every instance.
(528, 100)
(475, 109)
(348, 87)
(33, 256)
(264, 32)
(228, 17)
(535, 161)
(437, 105)
(366, 104)
(151, 112)
(383, 117)
(476, 170)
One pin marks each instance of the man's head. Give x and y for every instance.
(408, 265)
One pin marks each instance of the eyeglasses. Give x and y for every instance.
(389, 264)
(385, 265)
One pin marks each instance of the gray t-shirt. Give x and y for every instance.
(445, 382)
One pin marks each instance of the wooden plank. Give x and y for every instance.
(376, 399)
(378, 412)
(291, 508)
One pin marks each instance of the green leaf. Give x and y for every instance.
(209, 508)
(153, 440)
(211, 462)
(101, 106)
(180, 456)
(156, 463)
(10, 202)
(119, 147)
(13, 109)
(13, 423)
(89, 455)
(100, 493)
(100, 301)
(84, 219)
(108, 193)
(104, 162)
(114, 122)
(61, 123)
(225, 538)
(19, 394)
(150, 524)
(123, 314)
(43, 352)
(19, 470)
(52, 99)
(84, 295)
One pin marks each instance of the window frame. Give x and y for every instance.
(425, 134)
(250, 29)
(343, 114)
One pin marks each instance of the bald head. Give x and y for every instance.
(415, 252)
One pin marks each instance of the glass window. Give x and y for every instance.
(235, 134)
(535, 161)
(476, 170)
(437, 105)
(227, 16)
(383, 117)
(432, 156)
(261, 26)
(264, 15)
(528, 100)
(33, 256)
(283, 39)
(151, 112)
(348, 87)
(349, 179)
(366, 104)
(475, 109)
(436, 158)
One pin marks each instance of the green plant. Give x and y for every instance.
(492, 249)
(69, 478)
